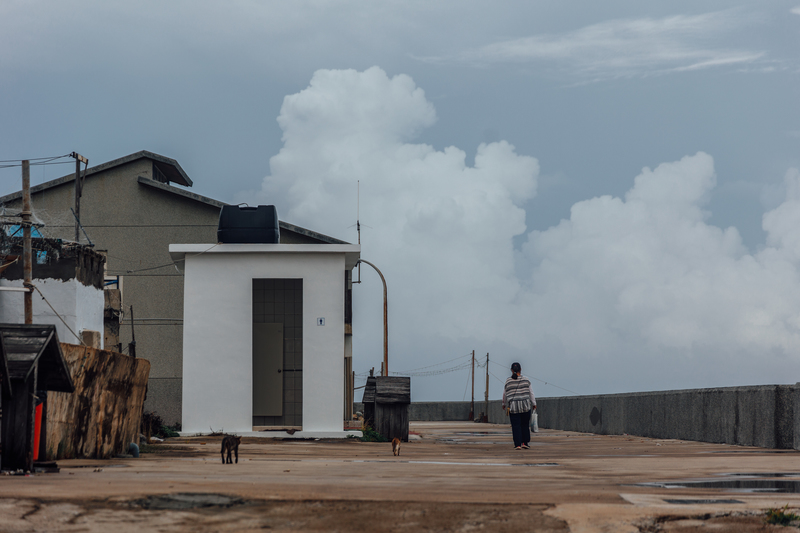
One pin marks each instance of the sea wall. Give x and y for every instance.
(766, 416)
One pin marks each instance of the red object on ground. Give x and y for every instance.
(37, 426)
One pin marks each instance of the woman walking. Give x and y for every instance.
(519, 399)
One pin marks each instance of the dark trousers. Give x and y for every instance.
(521, 427)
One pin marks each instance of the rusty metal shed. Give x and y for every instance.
(35, 363)
(5, 378)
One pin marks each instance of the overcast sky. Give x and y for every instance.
(605, 192)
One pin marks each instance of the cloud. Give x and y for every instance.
(657, 276)
(437, 223)
(626, 47)
(795, 10)
(628, 293)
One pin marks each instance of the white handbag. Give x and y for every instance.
(535, 422)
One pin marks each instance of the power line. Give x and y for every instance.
(422, 372)
(539, 380)
(461, 366)
(443, 362)
(168, 264)
(49, 158)
(38, 161)
(56, 312)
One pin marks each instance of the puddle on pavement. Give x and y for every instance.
(733, 485)
(702, 502)
(480, 433)
(186, 500)
(770, 452)
(461, 441)
(624, 455)
(760, 474)
(448, 463)
(95, 466)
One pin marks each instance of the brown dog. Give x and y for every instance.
(396, 446)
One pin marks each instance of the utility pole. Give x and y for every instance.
(472, 401)
(78, 191)
(486, 409)
(27, 253)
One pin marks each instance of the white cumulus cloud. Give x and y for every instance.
(628, 293)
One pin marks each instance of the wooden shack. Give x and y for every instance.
(369, 403)
(392, 398)
(35, 363)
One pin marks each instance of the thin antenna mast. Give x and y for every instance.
(358, 223)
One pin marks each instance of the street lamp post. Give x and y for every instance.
(385, 320)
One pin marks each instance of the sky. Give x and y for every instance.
(607, 193)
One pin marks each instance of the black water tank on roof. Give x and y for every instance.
(254, 225)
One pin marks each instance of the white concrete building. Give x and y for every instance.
(264, 338)
(71, 278)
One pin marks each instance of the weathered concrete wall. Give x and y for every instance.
(104, 413)
(449, 411)
(767, 416)
(750, 416)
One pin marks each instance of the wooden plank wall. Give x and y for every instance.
(391, 420)
(102, 417)
(393, 389)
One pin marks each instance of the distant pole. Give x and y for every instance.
(132, 344)
(472, 401)
(385, 368)
(27, 253)
(78, 192)
(77, 200)
(486, 409)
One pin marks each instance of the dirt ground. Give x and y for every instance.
(450, 477)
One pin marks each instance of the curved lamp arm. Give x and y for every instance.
(385, 320)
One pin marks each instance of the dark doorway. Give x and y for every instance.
(278, 352)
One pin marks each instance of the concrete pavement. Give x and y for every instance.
(452, 476)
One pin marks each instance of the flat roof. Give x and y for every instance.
(178, 252)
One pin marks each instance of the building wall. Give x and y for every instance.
(135, 224)
(80, 306)
(217, 335)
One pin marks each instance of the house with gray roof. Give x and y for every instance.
(131, 210)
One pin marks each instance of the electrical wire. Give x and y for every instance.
(49, 158)
(56, 312)
(443, 362)
(539, 380)
(169, 264)
(416, 373)
(42, 161)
